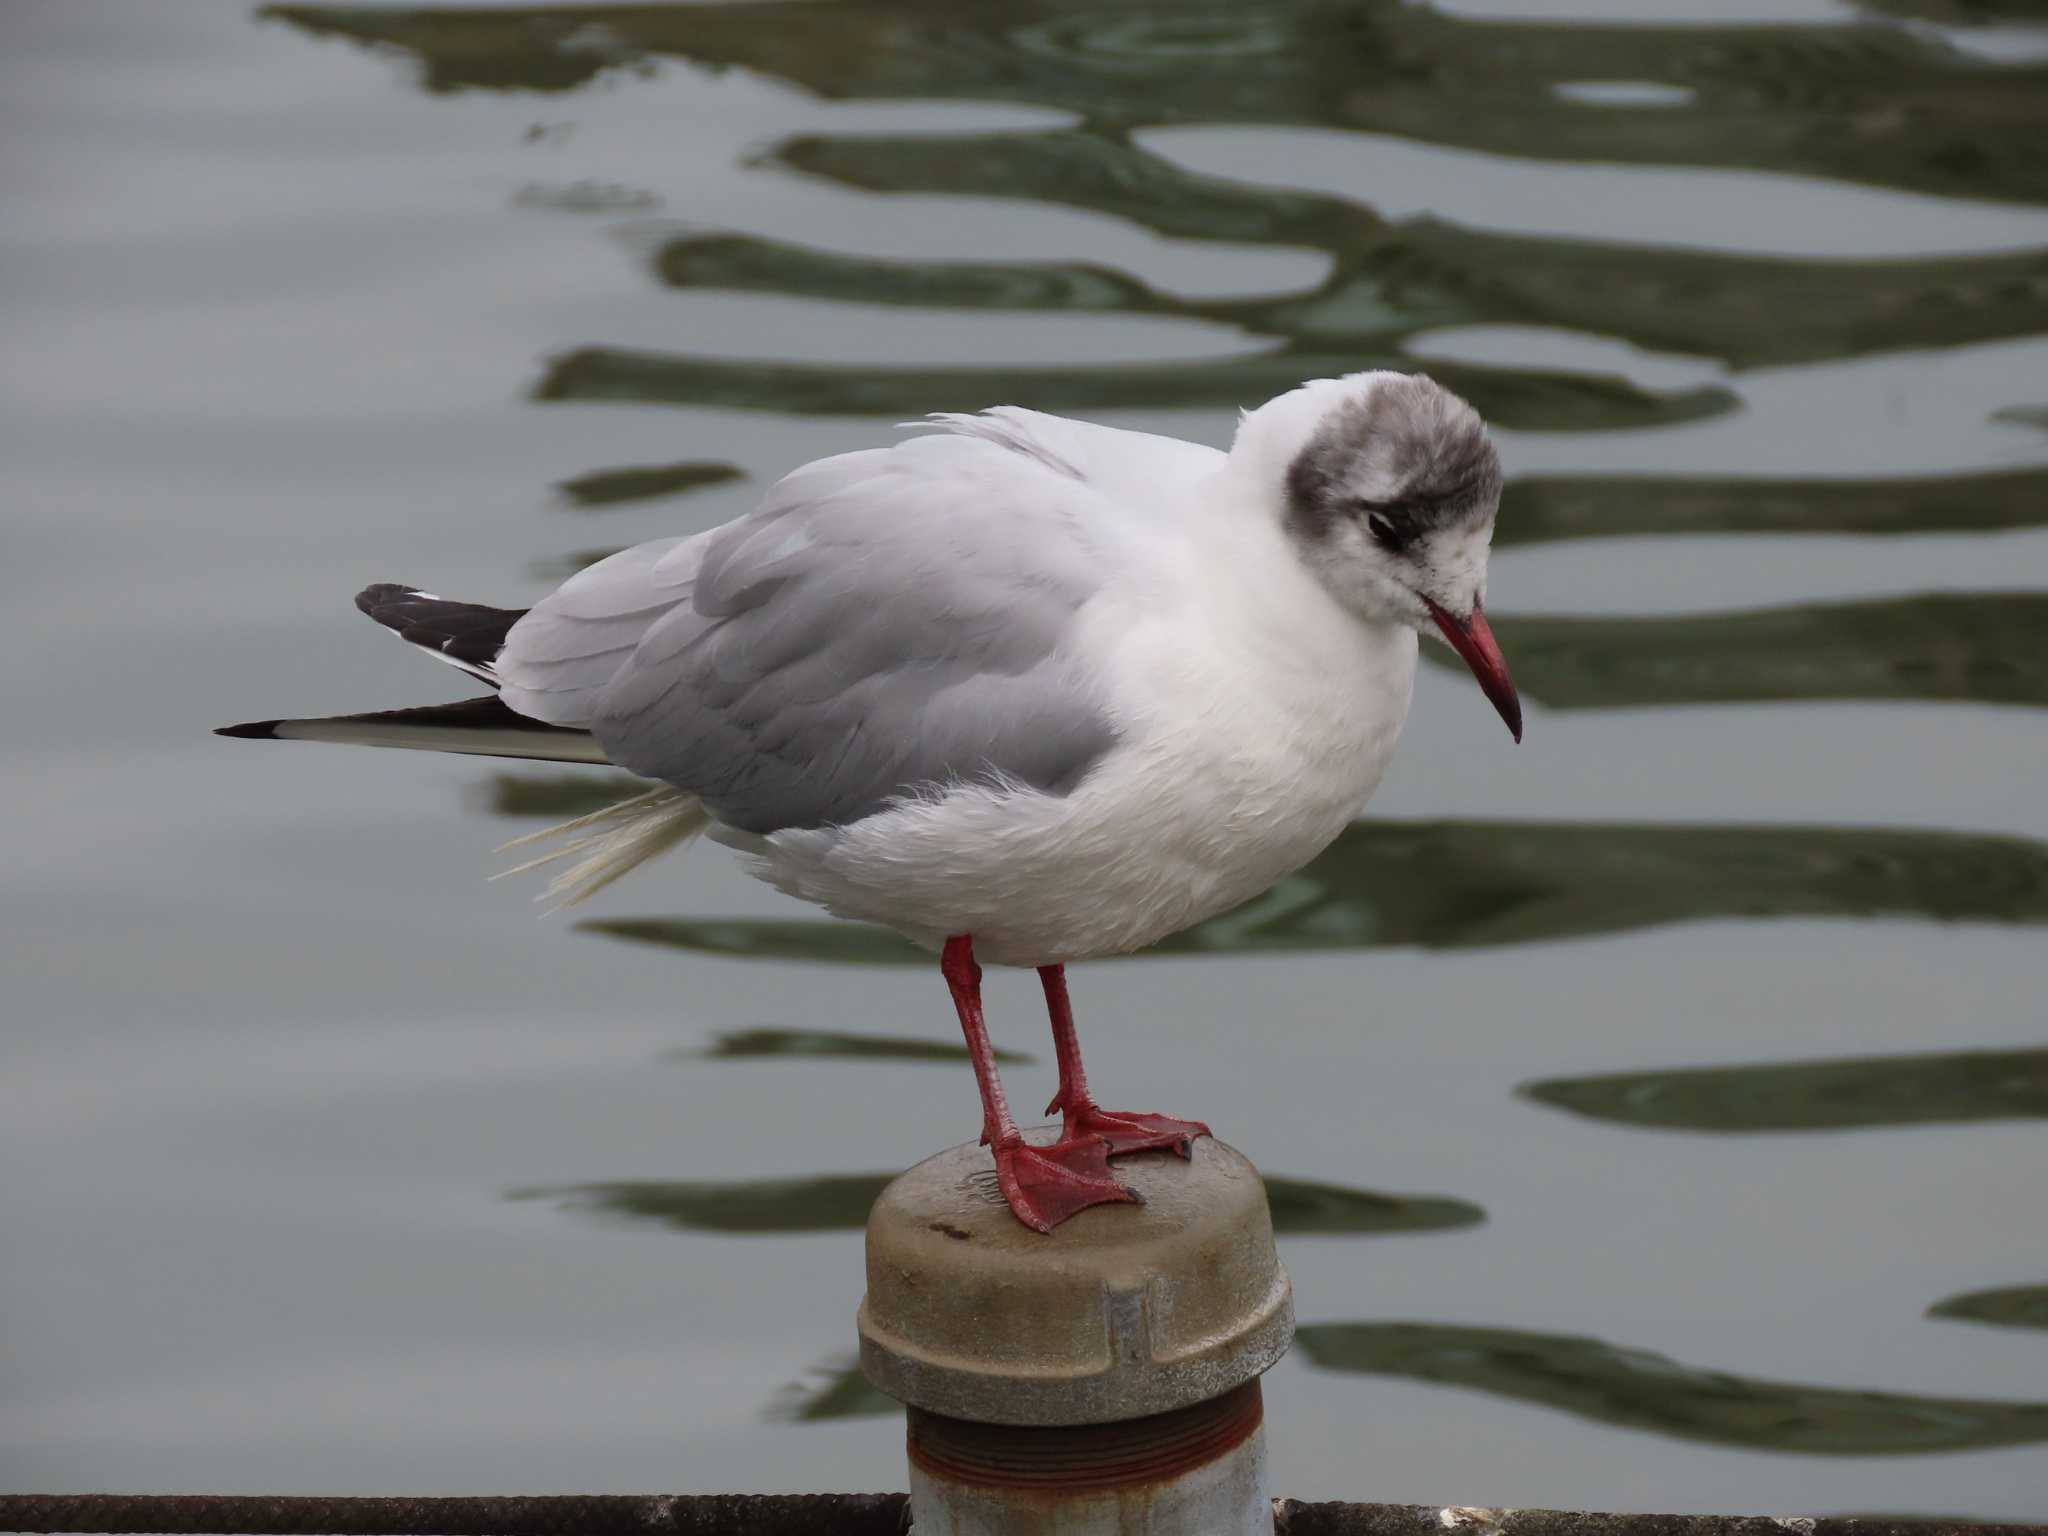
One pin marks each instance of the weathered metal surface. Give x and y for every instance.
(1198, 1471)
(739, 1514)
(1224, 1497)
(1082, 1456)
(1122, 1312)
(841, 1514)
(1294, 1518)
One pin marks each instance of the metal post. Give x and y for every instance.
(1099, 1381)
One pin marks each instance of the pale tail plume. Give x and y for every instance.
(615, 840)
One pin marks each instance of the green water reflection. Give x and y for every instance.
(557, 796)
(837, 1391)
(1985, 647)
(1457, 884)
(1639, 1389)
(840, 1202)
(1767, 97)
(1960, 13)
(1389, 279)
(1847, 1094)
(644, 482)
(1534, 401)
(834, 1045)
(1539, 509)
(2016, 1306)
(825, 1203)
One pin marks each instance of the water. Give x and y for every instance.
(1652, 1111)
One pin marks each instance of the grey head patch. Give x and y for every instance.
(1410, 455)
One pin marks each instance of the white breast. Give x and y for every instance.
(1256, 716)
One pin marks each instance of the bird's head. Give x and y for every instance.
(1389, 488)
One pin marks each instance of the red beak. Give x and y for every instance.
(1473, 640)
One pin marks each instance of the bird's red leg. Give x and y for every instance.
(1044, 1185)
(1124, 1130)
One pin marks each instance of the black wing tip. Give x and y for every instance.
(378, 593)
(253, 730)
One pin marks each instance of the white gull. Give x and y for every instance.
(1022, 688)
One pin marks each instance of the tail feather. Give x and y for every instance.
(603, 846)
(626, 836)
(484, 727)
(465, 635)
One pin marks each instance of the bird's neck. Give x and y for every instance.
(1270, 438)
(1254, 582)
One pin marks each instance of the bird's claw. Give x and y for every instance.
(1046, 1185)
(1126, 1131)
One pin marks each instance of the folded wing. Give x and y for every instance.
(885, 623)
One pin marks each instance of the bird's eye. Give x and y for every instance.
(1383, 529)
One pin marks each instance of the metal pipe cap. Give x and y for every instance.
(1120, 1312)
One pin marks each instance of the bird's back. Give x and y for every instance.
(884, 621)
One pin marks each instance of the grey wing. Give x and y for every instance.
(557, 660)
(886, 621)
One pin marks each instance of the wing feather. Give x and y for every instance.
(559, 657)
(884, 622)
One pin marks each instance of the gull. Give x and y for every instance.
(1025, 689)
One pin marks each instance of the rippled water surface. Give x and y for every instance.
(1652, 1114)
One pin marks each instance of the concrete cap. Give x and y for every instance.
(1120, 1312)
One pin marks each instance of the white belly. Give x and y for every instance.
(1216, 791)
